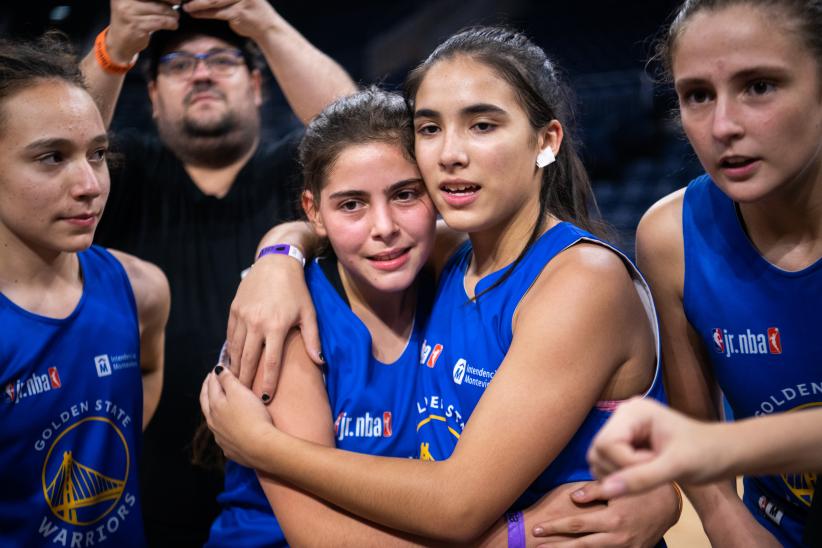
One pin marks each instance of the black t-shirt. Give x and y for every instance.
(202, 243)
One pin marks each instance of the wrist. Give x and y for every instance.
(118, 53)
(724, 449)
(516, 529)
(264, 455)
(265, 28)
(111, 59)
(288, 250)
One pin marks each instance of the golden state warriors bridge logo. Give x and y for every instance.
(802, 484)
(85, 471)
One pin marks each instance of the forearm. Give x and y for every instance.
(309, 79)
(152, 388)
(788, 442)
(104, 87)
(307, 521)
(298, 233)
(724, 518)
(422, 498)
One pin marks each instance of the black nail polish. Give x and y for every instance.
(218, 369)
(322, 358)
(265, 397)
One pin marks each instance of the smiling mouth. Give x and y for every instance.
(458, 189)
(389, 255)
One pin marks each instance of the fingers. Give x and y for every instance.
(214, 388)
(150, 16)
(224, 14)
(590, 492)
(596, 540)
(153, 23)
(311, 335)
(226, 383)
(272, 358)
(250, 358)
(156, 7)
(132, 23)
(609, 456)
(639, 478)
(232, 322)
(212, 9)
(200, 5)
(236, 345)
(204, 399)
(623, 440)
(596, 521)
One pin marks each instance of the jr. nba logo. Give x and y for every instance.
(54, 377)
(774, 340)
(435, 354)
(719, 341)
(386, 424)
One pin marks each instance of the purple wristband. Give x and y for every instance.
(283, 249)
(516, 529)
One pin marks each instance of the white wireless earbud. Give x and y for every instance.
(545, 157)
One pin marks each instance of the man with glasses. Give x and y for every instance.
(196, 200)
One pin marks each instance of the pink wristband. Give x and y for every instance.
(516, 529)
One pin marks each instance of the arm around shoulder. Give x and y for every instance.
(153, 298)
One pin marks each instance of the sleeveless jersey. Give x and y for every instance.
(372, 403)
(466, 341)
(760, 328)
(71, 417)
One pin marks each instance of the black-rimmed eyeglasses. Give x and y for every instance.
(182, 64)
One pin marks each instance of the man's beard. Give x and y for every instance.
(214, 144)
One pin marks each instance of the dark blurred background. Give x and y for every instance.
(632, 145)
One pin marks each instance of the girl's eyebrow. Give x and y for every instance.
(361, 193)
(403, 183)
(758, 71)
(59, 142)
(348, 194)
(482, 108)
(479, 108)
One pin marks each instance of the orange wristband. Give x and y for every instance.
(103, 59)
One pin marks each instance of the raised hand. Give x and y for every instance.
(133, 22)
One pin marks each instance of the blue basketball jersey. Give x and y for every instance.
(760, 328)
(466, 341)
(71, 417)
(372, 403)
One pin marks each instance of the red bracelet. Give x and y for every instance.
(103, 58)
